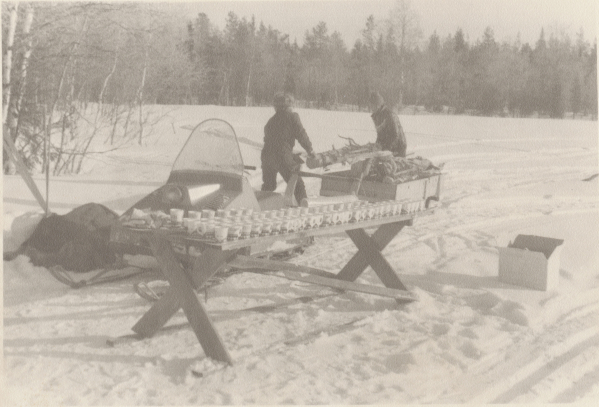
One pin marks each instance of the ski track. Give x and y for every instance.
(535, 362)
(550, 366)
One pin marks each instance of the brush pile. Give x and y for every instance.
(396, 170)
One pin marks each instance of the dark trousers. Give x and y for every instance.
(270, 169)
(400, 151)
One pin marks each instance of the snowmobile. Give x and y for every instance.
(208, 173)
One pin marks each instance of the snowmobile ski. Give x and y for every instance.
(100, 277)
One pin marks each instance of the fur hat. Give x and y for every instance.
(282, 101)
(376, 99)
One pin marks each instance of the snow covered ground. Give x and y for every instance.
(468, 338)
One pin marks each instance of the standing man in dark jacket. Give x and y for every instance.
(280, 133)
(389, 133)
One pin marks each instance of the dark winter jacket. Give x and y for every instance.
(280, 133)
(389, 133)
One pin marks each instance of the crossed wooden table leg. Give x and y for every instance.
(369, 254)
(181, 292)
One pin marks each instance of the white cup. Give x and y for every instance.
(194, 214)
(246, 230)
(210, 227)
(177, 215)
(234, 232)
(208, 214)
(191, 225)
(256, 229)
(266, 228)
(220, 233)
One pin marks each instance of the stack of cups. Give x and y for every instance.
(234, 231)
(256, 228)
(221, 232)
(266, 228)
(276, 226)
(246, 230)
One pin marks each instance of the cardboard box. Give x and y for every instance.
(531, 261)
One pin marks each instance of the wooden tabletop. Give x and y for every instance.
(198, 241)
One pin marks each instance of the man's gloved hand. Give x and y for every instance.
(313, 160)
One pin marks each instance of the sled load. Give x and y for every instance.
(77, 241)
(376, 174)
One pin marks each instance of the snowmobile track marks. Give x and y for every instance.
(504, 378)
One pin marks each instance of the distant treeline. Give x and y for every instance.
(134, 53)
(246, 63)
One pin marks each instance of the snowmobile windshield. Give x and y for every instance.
(211, 147)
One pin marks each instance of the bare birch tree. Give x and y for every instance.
(406, 27)
(7, 65)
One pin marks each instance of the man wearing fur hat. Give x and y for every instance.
(280, 133)
(389, 133)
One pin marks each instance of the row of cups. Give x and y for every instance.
(243, 223)
(177, 215)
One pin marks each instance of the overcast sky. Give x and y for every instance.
(505, 17)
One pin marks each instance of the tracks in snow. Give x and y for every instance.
(558, 365)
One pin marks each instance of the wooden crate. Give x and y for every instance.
(340, 183)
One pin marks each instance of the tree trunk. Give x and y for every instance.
(12, 107)
(105, 84)
(247, 91)
(47, 160)
(126, 126)
(402, 50)
(48, 125)
(48, 120)
(6, 83)
(141, 94)
(25, 61)
(114, 121)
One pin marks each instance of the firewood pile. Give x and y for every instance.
(384, 167)
(396, 170)
(349, 154)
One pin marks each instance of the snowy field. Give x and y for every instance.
(468, 339)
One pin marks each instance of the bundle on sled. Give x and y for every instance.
(75, 247)
(77, 241)
(396, 170)
(378, 175)
(349, 154)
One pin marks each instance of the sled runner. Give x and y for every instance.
(107, 275)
